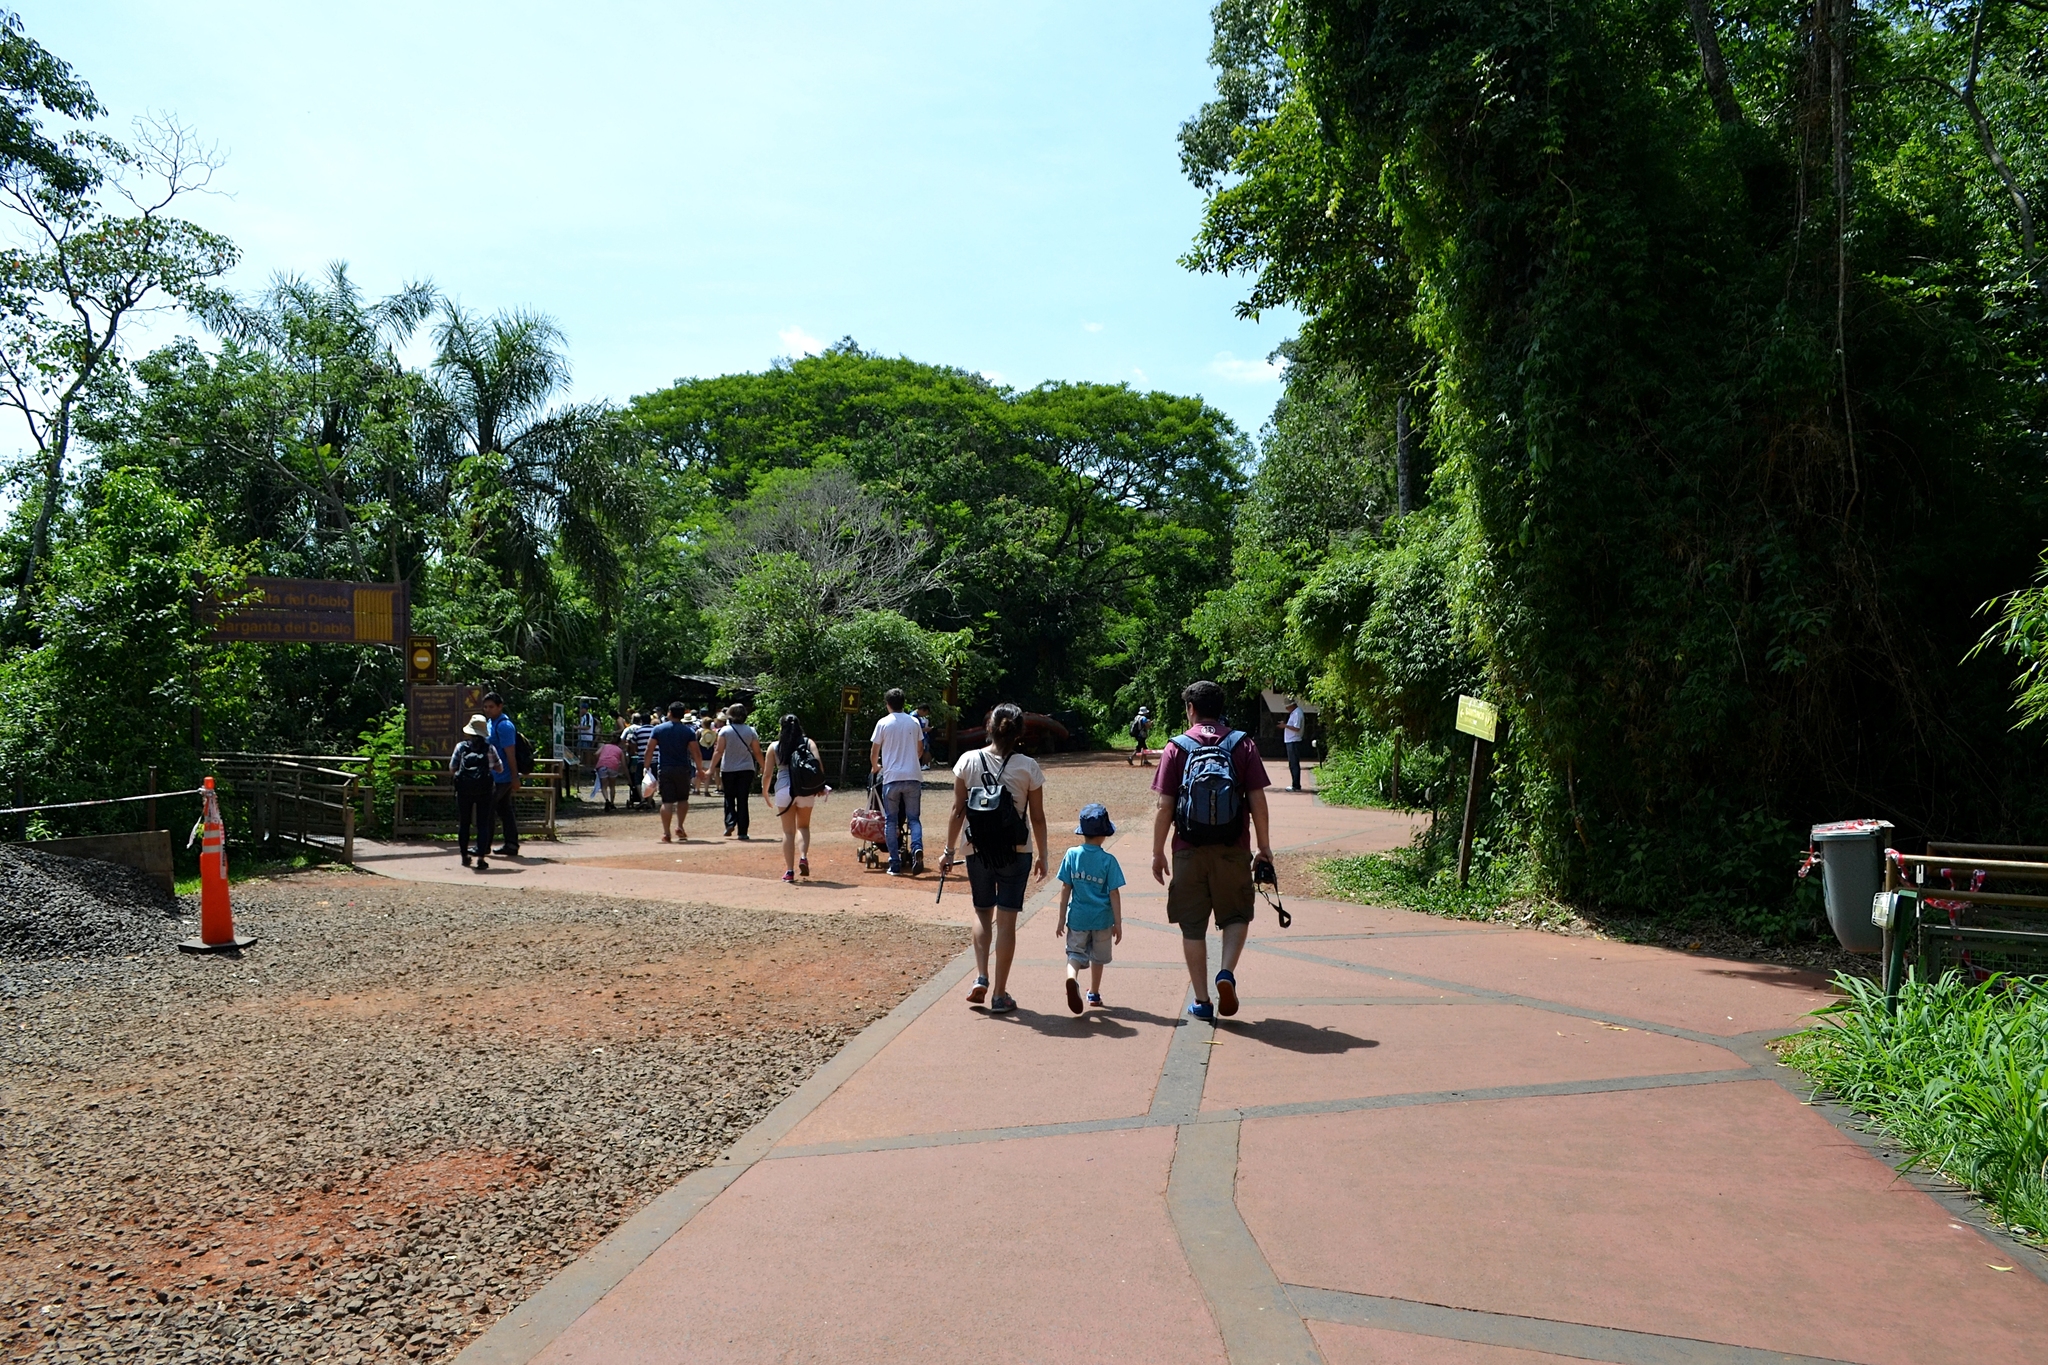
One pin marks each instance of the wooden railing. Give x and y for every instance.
(423, 796)
(309, 799)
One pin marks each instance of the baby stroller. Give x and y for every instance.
(871, 828)
(635, 767)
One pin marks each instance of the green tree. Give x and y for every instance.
(1720, 329)
(123, 653)
(93, 259)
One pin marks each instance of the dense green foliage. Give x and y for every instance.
(1958, 1073)
(840, 520)
(1724, 352)
(1070, 527)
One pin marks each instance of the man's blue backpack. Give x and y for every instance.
(1211, 807)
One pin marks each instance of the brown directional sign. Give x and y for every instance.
(316, 611)
(434, 716)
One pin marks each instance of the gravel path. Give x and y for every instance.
(396, 1116)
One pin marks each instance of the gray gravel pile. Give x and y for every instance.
(398, 1115)
(54, 906)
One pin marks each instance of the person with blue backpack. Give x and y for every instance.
(1212, 800)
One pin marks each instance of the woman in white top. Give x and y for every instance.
(997, 876)
(795, 811)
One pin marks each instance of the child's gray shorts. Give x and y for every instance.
(1087, 945)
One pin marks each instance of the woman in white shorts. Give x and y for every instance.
(794, 811)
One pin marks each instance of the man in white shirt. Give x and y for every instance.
(897, 756)
(1294, 733)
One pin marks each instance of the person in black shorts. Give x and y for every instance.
(997, 876)
(673, 754)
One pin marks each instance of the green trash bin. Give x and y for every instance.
(1852, 873)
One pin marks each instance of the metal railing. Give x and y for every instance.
(1962, 926)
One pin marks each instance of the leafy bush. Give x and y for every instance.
(1959, 1074)
(1417, 878)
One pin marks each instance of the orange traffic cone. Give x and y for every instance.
(216, 916)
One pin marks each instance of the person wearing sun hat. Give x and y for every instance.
(476, 764)
(1091, 905)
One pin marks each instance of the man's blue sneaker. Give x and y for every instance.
(1201, 1009)
(1226, 991)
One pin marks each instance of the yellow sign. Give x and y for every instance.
(373, 616)
(849, 699)
(1477, 718)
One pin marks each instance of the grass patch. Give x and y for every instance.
(1401, 879)
(1959, 1076)
(247, 868)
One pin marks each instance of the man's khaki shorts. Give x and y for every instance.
(1211, 879)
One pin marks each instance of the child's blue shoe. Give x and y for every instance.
(1094, 997)
(1201, 1009)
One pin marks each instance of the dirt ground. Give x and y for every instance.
(398, 1114)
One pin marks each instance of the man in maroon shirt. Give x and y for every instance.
(1210, 878)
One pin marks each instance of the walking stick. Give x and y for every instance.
(944, 868)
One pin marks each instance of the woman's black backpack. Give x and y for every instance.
(806, 774)
(473, 764)
(994, 823)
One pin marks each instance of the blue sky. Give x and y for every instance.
(694, 189)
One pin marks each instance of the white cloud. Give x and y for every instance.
(1141, 375)
(1228, 366)
(800, 342)
(994, 376)
(1091, 326)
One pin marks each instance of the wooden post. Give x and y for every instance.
(1471, 808)
(1395, 795)
(149, 806)
(845, 745)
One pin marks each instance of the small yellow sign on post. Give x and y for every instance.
(849, 699)
(1477, 718)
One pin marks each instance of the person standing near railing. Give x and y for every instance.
(475, 763)
(504, 737)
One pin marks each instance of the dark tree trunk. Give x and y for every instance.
(1404, 457)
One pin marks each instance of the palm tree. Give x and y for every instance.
(532, 477)
(338, 409)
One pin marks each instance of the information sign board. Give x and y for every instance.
(1477, 718)
(849, 699)
(317, 611)
(434, 716)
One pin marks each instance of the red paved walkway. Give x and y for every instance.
(1420, 1141)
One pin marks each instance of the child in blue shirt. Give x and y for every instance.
(1091, 906)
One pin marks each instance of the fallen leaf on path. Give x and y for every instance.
(1989, 1266)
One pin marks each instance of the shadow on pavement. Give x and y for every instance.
(1296, 1037)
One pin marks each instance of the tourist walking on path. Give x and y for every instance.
(737, 758)
(633, 739)
(504, 737)
(708, 730)
(475, 764)
(1294, 734)
(996, 790)
(1091, 905)
(611, 761)
(793, 782)
(1141, 731)
(896, 755)
(672, 753)
(1211, 787)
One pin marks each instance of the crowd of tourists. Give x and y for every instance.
(1211, 838)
